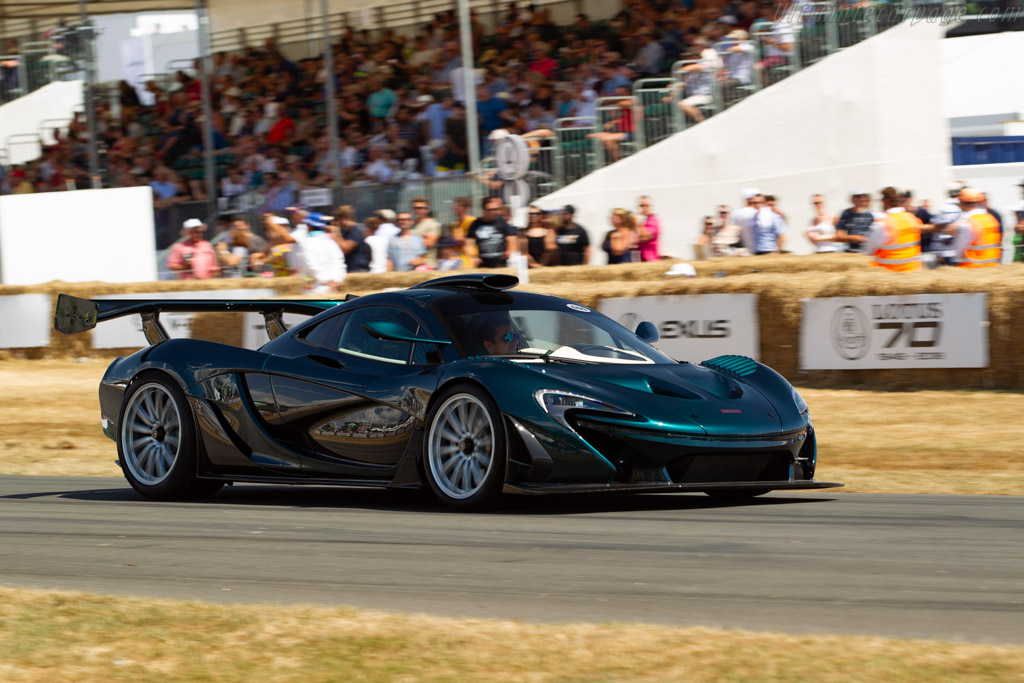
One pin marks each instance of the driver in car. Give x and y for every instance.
(499, 338)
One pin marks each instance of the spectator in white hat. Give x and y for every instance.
(193, 257)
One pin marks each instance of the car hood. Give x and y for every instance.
(676, 396)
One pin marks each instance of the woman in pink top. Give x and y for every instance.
(650, 227)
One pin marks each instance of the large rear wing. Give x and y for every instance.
(74, 315)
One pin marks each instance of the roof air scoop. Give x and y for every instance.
(488, 282)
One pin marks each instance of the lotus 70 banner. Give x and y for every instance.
(915, 331)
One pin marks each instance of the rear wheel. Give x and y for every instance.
(736, 494)
(157, 441)
(465, 448)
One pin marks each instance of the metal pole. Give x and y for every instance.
(469, 85)
(87, 34)
(332, 104)
(206, 72)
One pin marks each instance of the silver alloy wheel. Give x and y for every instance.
(460, 449)
(151, 434)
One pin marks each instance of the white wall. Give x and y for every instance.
(23, 115)
(869, 116)
(113, 29)
(81, 236)
(977, 64)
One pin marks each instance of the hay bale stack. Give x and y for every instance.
(780, 282)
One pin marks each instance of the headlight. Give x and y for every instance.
(556, 403)
(801, 404)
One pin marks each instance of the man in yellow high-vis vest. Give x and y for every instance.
(895, 239)
(977, 238)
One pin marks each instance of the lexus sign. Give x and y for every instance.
(872, 332)
(693, 328)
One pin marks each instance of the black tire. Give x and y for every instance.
(464, 452)
(736, 495)
(161, 463)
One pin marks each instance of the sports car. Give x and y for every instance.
(458, 384)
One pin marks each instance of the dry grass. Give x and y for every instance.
(52, 636)
(923, 442)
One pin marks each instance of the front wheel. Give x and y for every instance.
(157, 441)
(465, 448)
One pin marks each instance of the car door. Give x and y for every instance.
(358, 399)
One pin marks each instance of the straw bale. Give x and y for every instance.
(781, 282)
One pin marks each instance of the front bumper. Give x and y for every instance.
(648, 457)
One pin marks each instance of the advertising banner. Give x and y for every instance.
(122, 333)
(28, 319)
(693, 328)
(915, 331)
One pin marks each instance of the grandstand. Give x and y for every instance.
(562, 78)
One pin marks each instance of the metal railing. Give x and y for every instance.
(39, 63)
(23, 147)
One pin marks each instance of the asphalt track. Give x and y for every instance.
(945, 567)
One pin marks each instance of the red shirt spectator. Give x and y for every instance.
(282, 131)
(546, 66)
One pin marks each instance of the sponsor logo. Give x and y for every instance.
(682, 329)
(694, 329)
(577, 307)
(851, 334)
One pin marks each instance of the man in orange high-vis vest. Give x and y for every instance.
(977, 239)
(895, 239)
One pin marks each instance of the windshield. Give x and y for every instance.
(535, 328)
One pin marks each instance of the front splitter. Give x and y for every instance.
(661, 487)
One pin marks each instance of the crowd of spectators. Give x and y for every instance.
(760, 226)
(401, 115)
(399, 99)
(325, 248)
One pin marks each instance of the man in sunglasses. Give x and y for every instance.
(499, 337)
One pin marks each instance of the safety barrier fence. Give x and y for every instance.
(38, 63)
(782, 287)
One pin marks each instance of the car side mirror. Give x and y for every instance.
(392, 331)
(648, 332)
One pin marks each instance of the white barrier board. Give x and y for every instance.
(695, 327)
(122, 333)
(916, 331)
(80, 236)
(27, 321)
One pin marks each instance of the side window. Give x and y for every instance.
(356, 341)
(326, 333)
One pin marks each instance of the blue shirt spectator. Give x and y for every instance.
(404, 249)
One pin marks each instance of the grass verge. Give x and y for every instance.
(51, 636)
